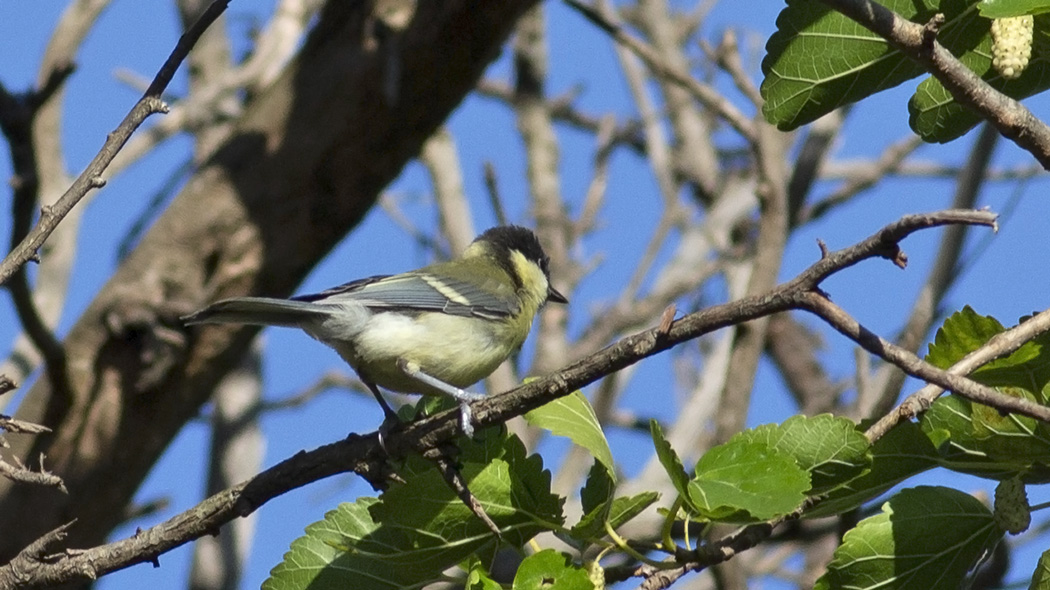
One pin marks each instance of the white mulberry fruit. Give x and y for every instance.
(1012, 44)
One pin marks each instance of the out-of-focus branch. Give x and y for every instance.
(772, 182)
(206, 65)
(17, 116)
(890, 160)
(542, 158)
(703, 93)
(446, 176)
(792, 348)
(215, 100)
(693, 151)
(235, 455)
(811, 156)
(1010, 117)
(562, 110)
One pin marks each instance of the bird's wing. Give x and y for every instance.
(418, 291)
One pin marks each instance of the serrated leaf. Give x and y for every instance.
(742, 481)
(819, 59)
(1008, 8)
(977, 439)
(830, 448)
(901, 453)
(598, 490)
(595, 499)
(966, 330)
(415, 531)
(626, 508)
(572, 416)
(1041, 576)
(551, 570)
(925, 537)
(985, 443)
(598, 511)
(669, 459)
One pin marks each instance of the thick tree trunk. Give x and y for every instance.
(307, 161)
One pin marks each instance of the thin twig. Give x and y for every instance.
(91, 177)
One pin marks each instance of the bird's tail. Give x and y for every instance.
(261, 311)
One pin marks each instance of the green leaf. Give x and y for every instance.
(669, 459)
(598, 490)
(478, 577)
(965, 331)
(599, 507)
(936, 116)
(626, 508)
(742, 481)
(977, 439)
(552, 570)
(925, 537)
(819, 59)
(1041, 576)
(902, 453)
(596, 499)
(572, 416)
(1008, 8)
(830, 448)
(415, 531)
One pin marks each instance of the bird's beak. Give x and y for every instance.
(555, 296)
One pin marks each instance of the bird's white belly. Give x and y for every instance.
(459, 351)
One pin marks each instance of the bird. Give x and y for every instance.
(435, 330)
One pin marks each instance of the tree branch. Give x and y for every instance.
(1010, 117)
(364, 455)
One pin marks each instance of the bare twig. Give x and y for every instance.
(91, 178)
(21, 474)
(458, 485)
(915, 366)
(21, 426)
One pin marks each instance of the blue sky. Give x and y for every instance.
(1007, 280)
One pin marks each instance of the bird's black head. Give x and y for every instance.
(505, 238)
(514, 237)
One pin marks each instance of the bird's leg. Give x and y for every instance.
(390, 416)
(388, 412)
(461, 396)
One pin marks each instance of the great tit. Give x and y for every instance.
(435, 330)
